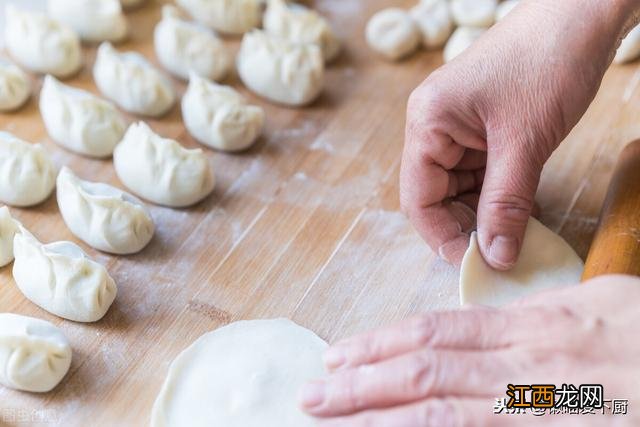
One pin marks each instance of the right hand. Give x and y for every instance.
(480, 129)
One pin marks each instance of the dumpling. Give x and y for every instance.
(434, 21)
(392, 33)
(130, 81)
(27, 174)
(60, 278)
(220, 117)
(15, 87)
(226, 16)
(93, 20)
(474, 13)
(34, 354)
(281, 71)
(8, 229)
(301, 25)
(629, 49)
(41, 44)
(102, 216)
(461, 39)
(161, 170)
(79, 120)
(183, 47)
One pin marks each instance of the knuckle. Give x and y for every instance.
(422, 374)
(348, 390)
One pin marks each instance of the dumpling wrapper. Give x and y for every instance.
(246, 374)
(546, 261)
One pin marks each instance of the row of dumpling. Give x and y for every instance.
(59, 277)
(455, 24)
(396, 33)
(283, 63)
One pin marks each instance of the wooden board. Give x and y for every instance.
(305, 225)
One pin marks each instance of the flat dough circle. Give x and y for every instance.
(546, 261)
(246, 374)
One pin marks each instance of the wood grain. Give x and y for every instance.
(306, 225)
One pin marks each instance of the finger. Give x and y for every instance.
(405, 379)
(472, 160)
(452, 412)
(474, 329)
(507, 197)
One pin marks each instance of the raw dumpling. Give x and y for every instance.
(629, 49)
(474, 13)
(546, 261)
(161, 170)
(27, 174)
(220, 117)
(34, 354)
(15, 87)
(281, 71)
(505, 8)
(226, 16)
(460, 40)
(183, 47)
(102, 216)
(41, 44)
(8, 229)
(392, 33)
(434, 21)
(245, 374)
(301, 25)
(79, 120)
(130, 81)
(60, 278)
(93, 20)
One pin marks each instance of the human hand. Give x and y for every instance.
(480, 129)
(446, 368)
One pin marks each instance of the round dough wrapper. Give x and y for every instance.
(629, 49)
(474, 13)
(546, 261)
(246, 374)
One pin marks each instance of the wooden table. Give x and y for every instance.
(304, 225)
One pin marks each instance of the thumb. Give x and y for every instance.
(506, 201)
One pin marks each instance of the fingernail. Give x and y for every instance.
(503, 251)
(334, 358)
(312, 394)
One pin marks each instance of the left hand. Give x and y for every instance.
(447, 368)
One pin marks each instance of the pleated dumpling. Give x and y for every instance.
(104, 217)
(226, 16)
(93, 20)
(8, 229)
(15, 87)
(130, 81)
(161, 170)
(79, 120)
(218, 116)
(183, 47)
(34, 354)
(27, 174)
(61, 279)
(279, 70)
(41, 44)
(301, 25)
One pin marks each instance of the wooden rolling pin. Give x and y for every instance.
(616, 246)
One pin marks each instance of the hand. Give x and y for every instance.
(447, 368)
(480, 129)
